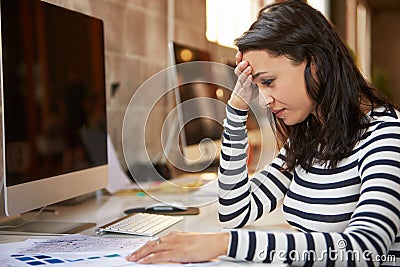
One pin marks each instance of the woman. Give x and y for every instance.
(338, 170)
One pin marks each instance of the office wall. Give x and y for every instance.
(385, 51)
(136, 35)
(385, 42)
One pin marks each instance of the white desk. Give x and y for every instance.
(103, 209)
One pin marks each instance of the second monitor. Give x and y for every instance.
(200, 105)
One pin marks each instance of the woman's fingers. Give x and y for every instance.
(182, 247)
(158, 257)
(169, 256)
(244, 75)
(241, 67)
(238, 57)
(248, 83)
(148, 249)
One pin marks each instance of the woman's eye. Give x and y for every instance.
(267, 82)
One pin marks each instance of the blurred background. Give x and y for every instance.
(137, 33)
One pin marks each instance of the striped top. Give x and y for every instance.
(348, 216)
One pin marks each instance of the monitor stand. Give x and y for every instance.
(18, 225)
(25, 225)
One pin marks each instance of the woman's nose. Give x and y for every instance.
(264, 99)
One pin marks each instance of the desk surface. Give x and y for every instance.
(103, 209)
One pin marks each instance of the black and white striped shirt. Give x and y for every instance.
(346, 216)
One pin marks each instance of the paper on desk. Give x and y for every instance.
(75, 244)
(117, 178)
(73, 250)
(60, 259)
(105, 260)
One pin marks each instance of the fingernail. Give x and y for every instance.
(131, 257)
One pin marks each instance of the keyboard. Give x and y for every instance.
(142, 224)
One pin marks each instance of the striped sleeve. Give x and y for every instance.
(369, 237)
(242, 201)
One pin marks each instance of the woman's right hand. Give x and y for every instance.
(245, 90)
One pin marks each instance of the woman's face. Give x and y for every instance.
(281, 86)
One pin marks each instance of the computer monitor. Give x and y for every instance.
(200, 106)
(53, 107)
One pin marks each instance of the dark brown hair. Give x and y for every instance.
(298, 31)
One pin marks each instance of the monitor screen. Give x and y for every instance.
(200, 105)
(53, 104)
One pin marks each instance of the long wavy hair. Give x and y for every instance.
(296, 30)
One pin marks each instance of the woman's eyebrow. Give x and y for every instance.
(259, 73)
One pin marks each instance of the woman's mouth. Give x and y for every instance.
(279, 112)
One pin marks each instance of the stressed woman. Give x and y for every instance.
(338, 169)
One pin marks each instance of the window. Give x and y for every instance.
(358, 33)
(229, 19)
(322, 5)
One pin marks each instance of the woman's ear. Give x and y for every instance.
(313, 68)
